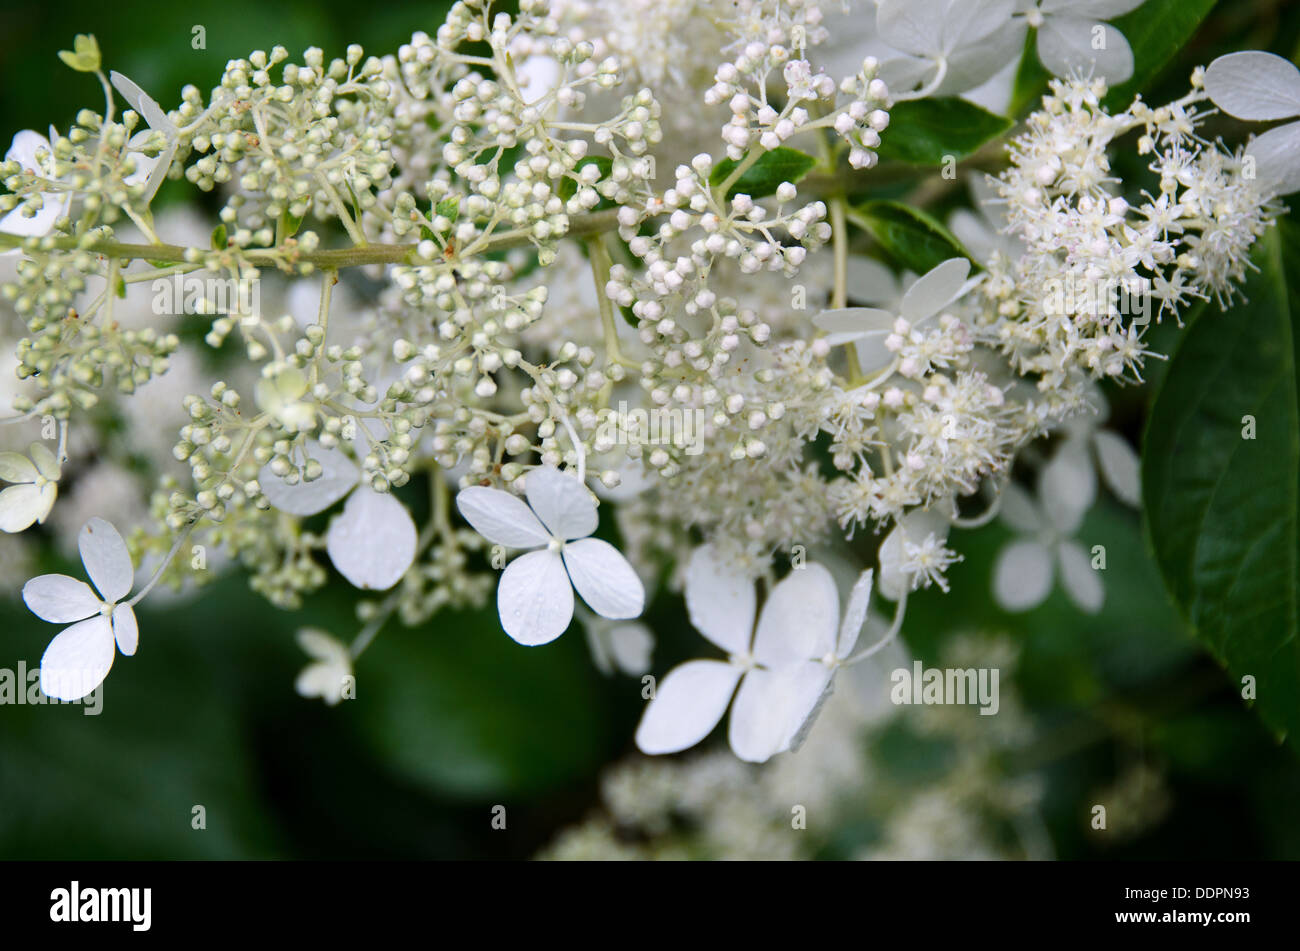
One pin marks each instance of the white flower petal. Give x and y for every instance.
(1080, 581)
(372, 541)
(799, 619)
(813, 686)
(501, 518)
(106, 559)
(871, 351)
(771, 707)
(855, 614)
(144, 104)
(78, 659)
(720, 601)
(935, 290)
(1254, 86)
(15, 467)
(48, 493)
(848, 323)
(915, 528)
(1277, 157)
(20, 506)
(338, 475)
(687, 705)
(604, 578)
(1067, 486)
(24, 147)
(1120, 467)
(1100, 9)
(1022, 575)
(535, 598)
(316, 643)
(125, 629)
(870, 281)
(631, 645)
(969, 23)
(913, 26)
(39, 224)
(1019, 511)
(563, 503)
(974, 63)
(1065, 45)
(904, 73)
(60, 599)
(47, 464)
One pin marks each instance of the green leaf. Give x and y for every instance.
(912, 237)
(1222, 510)
(219, 238)
(1156, 31)
(761, 179)
(932, 131)
(1031, 78)
(448, 208)
(461, 710)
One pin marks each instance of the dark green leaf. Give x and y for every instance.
(1221, 508)
(1031, 78)
(761, 179)
(932, 131)
(1156, 31)
(219, 238)
(461, 709)
(913, 238)
(448, 208)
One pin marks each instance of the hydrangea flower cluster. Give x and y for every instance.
(568, 225)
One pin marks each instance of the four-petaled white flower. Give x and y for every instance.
(869, 329)
(152, 171)
(79, 657)
(372, 542)
(1023, 572)
(780, 686)
(535, 595)
(1262, 87)
(35, 486)
(330, 674)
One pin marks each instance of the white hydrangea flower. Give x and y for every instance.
(152, 171)
(1261, 87)
(1073, 38)
(535, 594)
(869, 329)
(330, 674)
(778, 686)
(79, 657)
(372, 541)
(34, 489)
(1023, 573)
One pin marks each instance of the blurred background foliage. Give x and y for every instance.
(453, 718)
